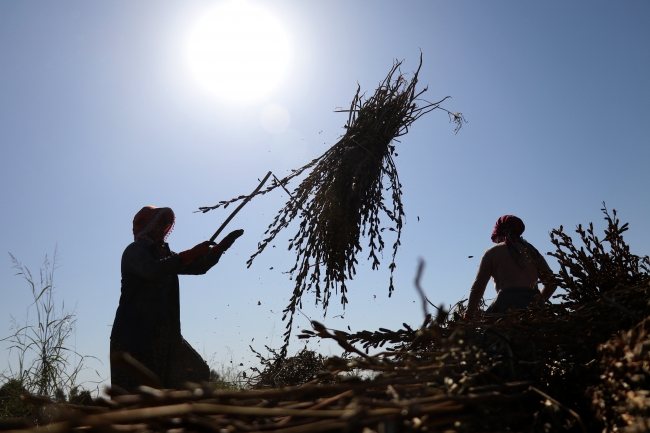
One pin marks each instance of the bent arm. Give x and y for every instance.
(202, 265)
(545, 275)
(548, 290)
(480, 282)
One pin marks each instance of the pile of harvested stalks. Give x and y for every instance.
(342, 198)
(581, 365)
(277, 371)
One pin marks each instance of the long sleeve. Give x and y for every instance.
(480, 282)
(202, 265)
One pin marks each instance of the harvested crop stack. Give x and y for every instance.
(452, 389)
(444, 376)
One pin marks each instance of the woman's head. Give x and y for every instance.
(507, 226)
(154, 224)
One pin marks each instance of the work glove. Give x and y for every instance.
(199, 251)
(228, 240)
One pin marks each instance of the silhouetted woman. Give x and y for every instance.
(147, 322)
(516, 267)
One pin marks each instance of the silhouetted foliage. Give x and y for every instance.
(599, 266)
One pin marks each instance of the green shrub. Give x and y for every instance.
(11, 406)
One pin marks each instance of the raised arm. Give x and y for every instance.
(201, 264)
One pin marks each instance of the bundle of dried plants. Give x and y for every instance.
(348, 189)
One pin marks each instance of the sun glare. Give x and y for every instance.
(238, 51)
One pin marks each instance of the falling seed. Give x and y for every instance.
(418, 218)
(469, 257)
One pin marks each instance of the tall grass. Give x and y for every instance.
(44, 363)
(226, 374)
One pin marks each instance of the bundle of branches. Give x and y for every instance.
(341, 199)
(280, 371)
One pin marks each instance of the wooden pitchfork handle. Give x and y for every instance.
(232, 215)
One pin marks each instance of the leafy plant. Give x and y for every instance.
(11, 406)
(599, 266)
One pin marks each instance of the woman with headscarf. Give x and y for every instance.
(147, 322)
(516, 267)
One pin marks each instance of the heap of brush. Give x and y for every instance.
(582, 364)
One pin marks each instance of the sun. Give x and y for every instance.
(238, 51)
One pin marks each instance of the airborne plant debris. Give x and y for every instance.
(348, 188)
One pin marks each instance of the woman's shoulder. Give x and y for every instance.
(137, 247)
(497, 249)
(495, 253)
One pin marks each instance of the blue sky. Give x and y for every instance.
(100, 115)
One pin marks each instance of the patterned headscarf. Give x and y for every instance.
(507, 226)
(150, 220)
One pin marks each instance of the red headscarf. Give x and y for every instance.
(149, 217)
(507, 224)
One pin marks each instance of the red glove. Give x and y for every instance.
(229, 240)
(199, 251)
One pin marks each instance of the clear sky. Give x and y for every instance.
(101, 113)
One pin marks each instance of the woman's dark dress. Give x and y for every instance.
(147, 322)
